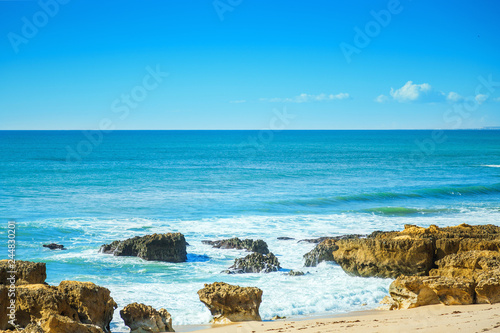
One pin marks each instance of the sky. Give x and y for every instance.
(237, 64)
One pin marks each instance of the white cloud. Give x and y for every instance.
(382, 99)
(497, 99)
(481, 98)
(410, 92)
(303, 98)
(454, 97)
(238, 101)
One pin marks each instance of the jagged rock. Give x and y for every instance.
(250, 245)
(27, 272)
(385, 257)
(295, 273)
(82, 307)
(159, 247)
(92, 303)
(256, 263)
(412, 251)
(229, 303)
(61, 324)
(322, 252)
(142, 318)
(278, 317)
(412, 291)
(488, 287)
(467, 264)
(54, 246)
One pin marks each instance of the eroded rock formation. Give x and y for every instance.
(256, 263)
(229, 303)
(250, 245)
(169, 247)
(142, 318)
(27, 272)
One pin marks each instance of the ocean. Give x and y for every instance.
(84, 189)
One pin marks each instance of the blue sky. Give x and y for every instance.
(232, 64)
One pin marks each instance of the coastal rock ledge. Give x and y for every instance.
(411, 252)
(229, 303)
(142, 318)
(169, 247)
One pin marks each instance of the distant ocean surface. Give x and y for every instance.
(83, 189)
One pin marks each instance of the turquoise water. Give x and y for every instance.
(85, 189)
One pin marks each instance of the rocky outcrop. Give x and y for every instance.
(488, 287)
(412, 291)
(467, 264)
(142, 318)
(250, 245)
(27, 272)
(70, 307)
(256, 263)
(322, 252)
(159, 247)
(54, 246)
(412, 251)
(229, 303)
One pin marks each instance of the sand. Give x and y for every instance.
(435, 318)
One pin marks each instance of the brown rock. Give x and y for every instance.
(27, 272)
(488, 287)
(229, 303)
(385, 257)
(412, 291)
(61, 324)
(467, 264)
(92, 303)
(145, 319)
(169, 247)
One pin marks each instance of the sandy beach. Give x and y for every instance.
(434, 318)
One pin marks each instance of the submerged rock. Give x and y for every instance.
(54, 246)
(295, 273)
(229, 303)
(169, 247)
(256, 263)
(250, 245)
(27, 272)
(142, 318)
(285, 238)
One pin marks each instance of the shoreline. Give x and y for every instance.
(430, 318)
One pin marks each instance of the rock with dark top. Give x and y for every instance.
(322, 252)
(322, 239)
(142, 318)
(285, 238)
(54, 246)
(169, 247)
(27, 272)
(295, 273)
(256, 263)
(250, 245)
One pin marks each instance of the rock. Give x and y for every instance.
(142, 318)
(467, 264)
(92, 303)
(250, 245)
(229, 303)
(322, 252)
(278, 317)
(322, 239)
(54, 246)
(488, 287)
(159, 247)
(412, 291)
(82, 307)
(256, 263)
(56, 323)
(27, 272)
(285, 238)
(412, 251)
(295, 273)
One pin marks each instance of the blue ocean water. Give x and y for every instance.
(83, 189)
